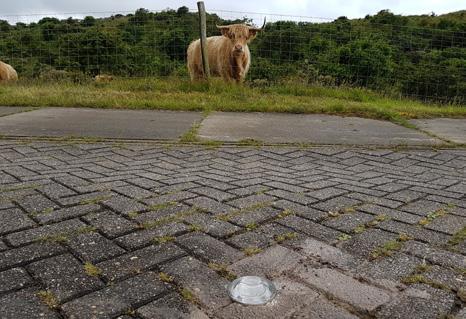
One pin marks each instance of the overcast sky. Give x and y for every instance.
(311, 8)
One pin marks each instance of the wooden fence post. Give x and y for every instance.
(203, 33)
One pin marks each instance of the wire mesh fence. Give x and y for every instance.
(422, 57)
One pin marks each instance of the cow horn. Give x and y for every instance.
(263, 26)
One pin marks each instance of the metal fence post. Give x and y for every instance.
(203, 33)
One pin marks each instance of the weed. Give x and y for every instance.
(432, 216)
(95, 200)
(223, 271)
(158, 207)
(195, 228)
(250, 251)
(251, 226)
(344, 237)
(250, 142)
(458, 237)
(166, 278)
(191, 135)
(92, 270)
(188, 295)
(284, 214)
(48, 298)
(387, 249)
(287, 236)
(359, 229)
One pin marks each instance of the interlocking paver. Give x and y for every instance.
(311, 218)
(64, 276)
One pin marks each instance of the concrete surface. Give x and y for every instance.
(318, 129)
(82, 122)
(8, 110)
(453, 130)
(79, 230)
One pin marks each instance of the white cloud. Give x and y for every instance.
(328, 9)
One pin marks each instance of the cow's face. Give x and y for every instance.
(240, 35)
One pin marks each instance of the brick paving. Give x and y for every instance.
(105, 230)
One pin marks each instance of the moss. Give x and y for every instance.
(250, 251)
(195, 228)
(287, 236)
(158, 207)
(163, 239)
(359, 229)
(387, 249)
(92, 270)
(458, 237)
(95, 200)
(188, 295)
(166, 278)
(48, 298)
(222, 271)
(251, 226)
(344, 237)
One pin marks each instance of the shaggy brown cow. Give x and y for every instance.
(7, 73)
(229, 55)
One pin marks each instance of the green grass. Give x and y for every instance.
(180, 94)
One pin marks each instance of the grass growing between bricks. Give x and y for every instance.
(180, 94)
(92, 270)
(390, 247)
(48, 298)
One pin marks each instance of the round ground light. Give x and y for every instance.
(252, 290)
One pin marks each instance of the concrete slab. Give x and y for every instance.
(453, 130)
(318, 129)
(82, 122)
(7, 110)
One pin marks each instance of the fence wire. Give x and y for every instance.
(422, 57)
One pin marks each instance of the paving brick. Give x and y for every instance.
(270, 263)
(348, 222)
(28, 236)
(13, 279)
(391, 213)
(169, 307)
(406, 196)
(55, 190)
(375, 200)
(65, 213)
(133, 192)
(423, 207)
(327, 254)
(310, 228)
(64, 277)
(394, 267)
(145, 237)
(363, 244)
(448, 224)
(209, 248)
(300, 198)
(434, 255)
(250, 201)
(110, 224)
(433, 303)
(138, 261)
(14, 220)
(321, 308)
(414, 231)
(94, 247)
(25, 304)
(212, 226)
(114, 300)
(336, 204)
(262, 237)
(254, 216)
(301, 210)
(292, 296)
(24, 255)
(326, 193)
(210, 205)
(213, 193)
(344, 288)
(175, 197)
(202, 281)
(124, 205)
(36, 204)
(88, 198)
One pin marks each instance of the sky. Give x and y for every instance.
(21, 10)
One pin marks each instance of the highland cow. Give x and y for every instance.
(7, 73)
(229, 55)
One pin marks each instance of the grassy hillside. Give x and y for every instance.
(422, 57)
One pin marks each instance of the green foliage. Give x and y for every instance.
(419, 56)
